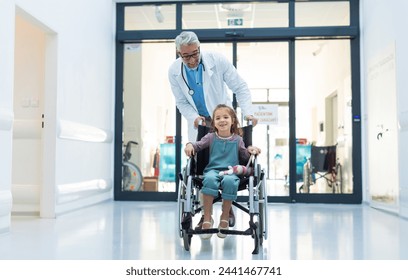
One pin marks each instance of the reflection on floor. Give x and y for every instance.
(149, 231)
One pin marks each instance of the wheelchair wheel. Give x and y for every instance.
(339, 182)
(185, 209)
(187, 225)
(180, 204)
(263, 213)
(182, 201)
(186, 240)
(256, 233)
(131, 177)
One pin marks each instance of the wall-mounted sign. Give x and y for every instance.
(235, 21)
(266, 113)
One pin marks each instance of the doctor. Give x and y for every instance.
(198, 81)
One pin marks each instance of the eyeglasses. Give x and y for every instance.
(189, 56)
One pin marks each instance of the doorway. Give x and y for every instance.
(33, 170)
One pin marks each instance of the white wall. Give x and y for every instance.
(79, 101)
(6, 109)
(383, 24)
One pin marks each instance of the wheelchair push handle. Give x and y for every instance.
(251, 120)
(132, 142)
(127, 154)
(128, 145)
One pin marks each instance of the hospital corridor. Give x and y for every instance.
(93, 164)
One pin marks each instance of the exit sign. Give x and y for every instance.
(235, 22)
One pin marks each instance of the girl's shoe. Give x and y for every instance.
(207, 235)
(220, 234)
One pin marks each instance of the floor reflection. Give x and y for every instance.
(149, 231)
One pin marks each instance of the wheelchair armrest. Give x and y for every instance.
(190, 162)
(255, 166)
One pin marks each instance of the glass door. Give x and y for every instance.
(323, 118)
(149, 127)
(265, 67)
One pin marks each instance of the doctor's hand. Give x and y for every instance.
(252, 119)
(199, 121)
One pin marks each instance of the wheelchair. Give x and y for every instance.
(323, 164)
(190, 184)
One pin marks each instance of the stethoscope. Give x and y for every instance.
(190, 90)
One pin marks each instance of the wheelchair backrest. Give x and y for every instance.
(204, 155)
(247, 135)
(323, 159)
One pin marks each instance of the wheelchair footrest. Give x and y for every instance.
(203, 231)
(236, 232)
(216, 230)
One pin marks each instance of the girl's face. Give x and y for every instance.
(223, 122)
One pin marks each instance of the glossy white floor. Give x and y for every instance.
(148, 231)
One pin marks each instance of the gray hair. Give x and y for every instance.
(186, 38)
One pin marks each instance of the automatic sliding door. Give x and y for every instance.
(323, 117)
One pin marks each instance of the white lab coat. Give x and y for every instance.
(217, 73)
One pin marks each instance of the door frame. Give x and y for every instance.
(48, 104)
(289, 34)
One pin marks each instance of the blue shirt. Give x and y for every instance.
(195, 81)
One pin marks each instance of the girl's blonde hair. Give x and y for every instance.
(235, 127)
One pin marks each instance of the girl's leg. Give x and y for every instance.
(226, 206)
(207, 204)
(224, 223)
(208, 220)
(209, 191)
(230, 185)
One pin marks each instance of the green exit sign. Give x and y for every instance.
(235, 22)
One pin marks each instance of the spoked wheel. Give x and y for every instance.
(263, 213)
(185, 208)
(132, 177)
(181, 201)
(186, 240)
(187, 225)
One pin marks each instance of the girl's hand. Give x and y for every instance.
(253, 150)
(189, 150)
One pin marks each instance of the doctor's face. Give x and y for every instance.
(190, 55)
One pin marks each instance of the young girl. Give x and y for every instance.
(226, 149)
